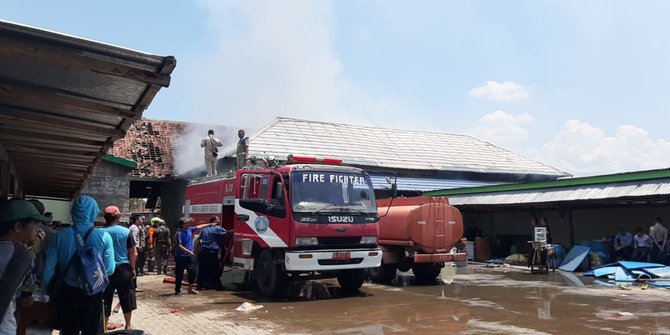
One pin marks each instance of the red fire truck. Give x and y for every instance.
(311, 218)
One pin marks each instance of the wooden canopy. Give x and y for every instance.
(63, 102)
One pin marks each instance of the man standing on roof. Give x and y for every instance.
(211, 144)
(242, 149)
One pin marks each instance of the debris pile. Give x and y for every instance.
(623, 271)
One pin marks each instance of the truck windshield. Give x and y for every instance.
(332, 191)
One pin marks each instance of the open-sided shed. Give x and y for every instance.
(63, 102)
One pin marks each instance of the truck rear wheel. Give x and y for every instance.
(383, 274)
(351, 280)
(269, 277)
(426, 272)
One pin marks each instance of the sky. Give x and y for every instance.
(582, 86)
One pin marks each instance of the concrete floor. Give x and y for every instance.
(471, 300)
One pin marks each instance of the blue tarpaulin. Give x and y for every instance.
(575, 257)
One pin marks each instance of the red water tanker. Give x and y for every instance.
(418, 233)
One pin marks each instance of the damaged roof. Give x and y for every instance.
(64, 101)
(151, 143)
(391, 148)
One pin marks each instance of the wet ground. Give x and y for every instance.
(471, 300)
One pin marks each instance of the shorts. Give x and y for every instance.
(121, 281)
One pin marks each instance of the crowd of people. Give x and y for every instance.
(643, 247)
(40, 263)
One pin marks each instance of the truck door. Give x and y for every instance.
(262, 199)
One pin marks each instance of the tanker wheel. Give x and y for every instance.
(383, 274)
(269, 277)
(426, 272)
(351, 280)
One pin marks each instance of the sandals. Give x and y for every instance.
(114, 325)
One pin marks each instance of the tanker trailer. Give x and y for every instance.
(417, 233)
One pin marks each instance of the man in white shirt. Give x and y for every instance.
(659, 236)
(211, 144)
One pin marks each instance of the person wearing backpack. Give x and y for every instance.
(19, 221)
(162, 247)
(79, 310)
(125, 259)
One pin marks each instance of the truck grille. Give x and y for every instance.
(340, 242)
(340, 262)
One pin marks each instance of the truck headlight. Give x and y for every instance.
(306, 241)
(369, 240)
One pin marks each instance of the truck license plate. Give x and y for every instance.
(341, 256)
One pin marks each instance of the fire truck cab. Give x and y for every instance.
(309, 219)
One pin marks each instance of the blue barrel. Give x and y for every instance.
(560, 251)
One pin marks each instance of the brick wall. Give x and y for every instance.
(109, 184)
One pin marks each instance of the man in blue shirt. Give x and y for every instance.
(642, 246)
(125, 259)
(80, 312)
(183, 254)
(211, 239)
(623, 245)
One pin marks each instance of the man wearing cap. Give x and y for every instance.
(81, 312)
(125, 258)
(19, 220)
(183, 254)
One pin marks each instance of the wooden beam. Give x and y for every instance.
(52, 173)
(34, 119)
(35, 97)
(55, 157)
(55, 54)
(36, 142)
(30, 130)
(73, 148)
(42, 150)
(11, 133)
(46, 165)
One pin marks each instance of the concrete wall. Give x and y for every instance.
(589, 224)
(172, 201)
(109, 184)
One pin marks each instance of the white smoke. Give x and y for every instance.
(189, 155)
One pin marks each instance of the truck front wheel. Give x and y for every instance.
(269, 277)
(426, 272)
(382, 274)
(351, 280)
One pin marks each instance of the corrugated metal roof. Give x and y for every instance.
(63, 102)
(391, 148)
(623, 190)
(423, 184)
